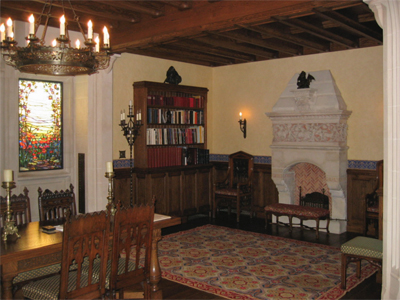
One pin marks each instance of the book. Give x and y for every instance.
(48, 229)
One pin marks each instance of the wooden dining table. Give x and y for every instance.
(36, 249)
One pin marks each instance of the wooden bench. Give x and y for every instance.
(314, 206)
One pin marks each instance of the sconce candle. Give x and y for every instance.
(242, 124)
(240, 116)
(8, 176)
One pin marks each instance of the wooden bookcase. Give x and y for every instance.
(174, 120)
(180, 189)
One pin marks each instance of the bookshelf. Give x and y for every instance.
(174, 131)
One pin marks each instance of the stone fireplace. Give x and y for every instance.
(309, 146)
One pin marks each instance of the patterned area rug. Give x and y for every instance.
(237, 264)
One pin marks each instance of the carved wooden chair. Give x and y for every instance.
(21, 207)
(131, 253)
(235, 190)
(372, 203)
(53, 207)
(85, 251)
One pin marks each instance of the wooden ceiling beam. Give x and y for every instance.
(314, 30)
(349, 24)
(269, 32)
(129, 5)
(258, 42)
(237, 47)
(199, 19)
(181, 5)
(196, 46)
(107, 14)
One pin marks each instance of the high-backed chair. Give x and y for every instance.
(53, 206)
(235, 190)
(372, 208)
(21, 207)
(85, 246)
(131, 253)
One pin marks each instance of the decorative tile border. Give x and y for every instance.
(352, 164)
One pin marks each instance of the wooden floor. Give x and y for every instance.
(369, 289)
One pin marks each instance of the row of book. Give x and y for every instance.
(175, 136)
(167, 116)
(193, 101)
(158, 157)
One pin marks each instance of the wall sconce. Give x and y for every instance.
(242, 124)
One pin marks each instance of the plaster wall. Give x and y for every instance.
(254, 88)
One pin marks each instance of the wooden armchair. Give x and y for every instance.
(372, 203)
(84, 253)
(236, 188)
(53, 207)
(21, 207)
(131, 253)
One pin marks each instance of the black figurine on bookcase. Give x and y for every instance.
(173, 76)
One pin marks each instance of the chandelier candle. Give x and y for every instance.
(2, 32)
(9, 28)
(90, 30)
(31, 24)
(62, 25)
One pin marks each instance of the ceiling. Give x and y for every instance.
(215, 32)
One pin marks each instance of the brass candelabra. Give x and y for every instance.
(9, 227)
(131, 130)
(110, 197)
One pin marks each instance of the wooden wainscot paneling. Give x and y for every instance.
(359, 183)
(264, 189)
(180, 191)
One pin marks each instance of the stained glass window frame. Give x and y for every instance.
(45, 152)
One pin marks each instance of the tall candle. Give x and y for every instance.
(109, 167)
(31, 24)
(9, 28)
(8, 176)
(2, 32)
(90, 29)
(106, 38)
(97, 44)
(62, 25)
(240, 116)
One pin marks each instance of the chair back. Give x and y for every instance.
(53, 207)
(132, 240)
(21, 207)
(85, 247)
(241, 165)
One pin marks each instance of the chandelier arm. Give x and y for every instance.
(76, 18)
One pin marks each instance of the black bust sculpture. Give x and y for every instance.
(303, 82)
(173, 76)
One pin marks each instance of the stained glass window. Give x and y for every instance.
(40, 125)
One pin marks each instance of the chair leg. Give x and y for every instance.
(358, 270)
(343, 271)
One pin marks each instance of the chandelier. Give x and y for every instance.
(59, 58)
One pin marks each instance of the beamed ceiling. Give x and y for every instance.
(216, 33)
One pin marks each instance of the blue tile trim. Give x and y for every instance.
(362, 164)
(122, 163)
(352, 164)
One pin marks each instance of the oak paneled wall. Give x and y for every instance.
(188, 190)
(359, 183)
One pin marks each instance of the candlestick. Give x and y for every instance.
(9, 227)
(62, 25)
(110, 197)
(9, 28)
(131, 130)
(31, 24)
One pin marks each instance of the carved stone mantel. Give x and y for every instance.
(310, 125)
